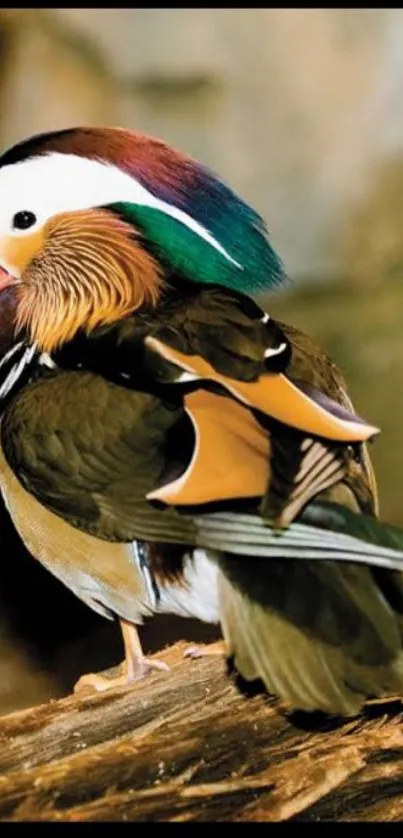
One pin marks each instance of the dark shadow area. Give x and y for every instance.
(321, 722)
(316, 721)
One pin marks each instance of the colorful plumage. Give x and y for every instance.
(155, 420)
(195, 223)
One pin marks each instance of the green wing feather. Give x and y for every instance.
(339, 519)
(323, 531)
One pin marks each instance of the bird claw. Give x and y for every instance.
(99, 682)
(211, 650)
(148, 665)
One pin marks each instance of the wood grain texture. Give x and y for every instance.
(189, 746)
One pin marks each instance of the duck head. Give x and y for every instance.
(94, 222)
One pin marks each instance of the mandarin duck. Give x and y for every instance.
(161, 433)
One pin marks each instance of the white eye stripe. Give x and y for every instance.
(53, 183)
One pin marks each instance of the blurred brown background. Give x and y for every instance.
(302, 112)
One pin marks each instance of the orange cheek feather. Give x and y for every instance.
(83, 269)
(18, 251)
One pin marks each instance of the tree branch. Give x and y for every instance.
(189, 745)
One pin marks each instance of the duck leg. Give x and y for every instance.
(136, 664)
(134, 667)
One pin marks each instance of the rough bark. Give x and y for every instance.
(190, 746)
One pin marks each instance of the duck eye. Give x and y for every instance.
(23, 219)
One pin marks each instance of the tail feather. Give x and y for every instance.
(234, 636)
(319, 635)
